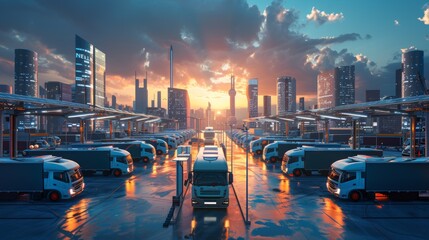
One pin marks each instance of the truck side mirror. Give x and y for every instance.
(231, 178)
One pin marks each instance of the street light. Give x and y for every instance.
(246, 130)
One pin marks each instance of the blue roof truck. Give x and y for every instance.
(42, 176)
(107, 160)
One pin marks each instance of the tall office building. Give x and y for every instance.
(179, 107)
(413, 82)
(286, 95)
(398, 83)
(26, 83)
(141, 96)
(4, 88)
(267, 106)
(159, 103)
(57, 91)
(345, 85)
(301, 106)
(26, 73)
(372, 95)
(114, 104)
(232, 119)
(326, 89)
(252, 98)
(90, 73)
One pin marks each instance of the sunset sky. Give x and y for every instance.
(213, 39)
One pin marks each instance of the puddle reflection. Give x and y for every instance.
(76, 214)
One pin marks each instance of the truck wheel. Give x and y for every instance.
(54, 196)
(258, 152)
(117, 172)
(145, 159)
(355, 196)
(273, 159)
(297, 173)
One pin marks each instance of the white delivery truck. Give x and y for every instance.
(362, 176)
(210, 179)
(52, 177)
(107, 160)
(306, 160)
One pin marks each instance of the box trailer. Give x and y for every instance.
(306, 160)
(107, 160)
(52, 177)
(362, 176)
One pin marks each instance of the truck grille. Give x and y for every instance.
(209, 192)
(77, 186)
(332, 185)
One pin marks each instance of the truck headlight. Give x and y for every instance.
(128, 169)
(337, 191)
(71, 191)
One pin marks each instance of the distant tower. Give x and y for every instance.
(159, 99)
(209, 114)
(267, 106)
(301, 106)
(171, 66)
(252, 100)
(114, 106)
(232, 93)
(413, 83)
(286, 95)
(141, 96)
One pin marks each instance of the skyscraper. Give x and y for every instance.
(26, 72)
(326, 89)
(114, 106)
(345, 85)
(179, 107)
(58, 91)
(252, 97)
(26, 82)
(267, 106)
(90, 73)
(301, 104)
(286, 95)
(232, 93)
(398, 83)
(413, 82)
(372, 95)
(159, 103)
(141, 97)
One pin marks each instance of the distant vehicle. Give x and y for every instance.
(362, 176)
(107, 160)
(257, 146)
(210, 179)
(419, 151)
(53, 177)
(379, 141)
(209, 136)
(305, 160)
(139, 150)
(276, 150)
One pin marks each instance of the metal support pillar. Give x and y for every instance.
(326, 131)
(302, 129)
(12, 136)
(129, 128)
(247, 176)
(1, 133)
(413, 136)
(287, 128)
(111, 129)
(426, 134)
(81, 131)
(230, 135)
(354, 134)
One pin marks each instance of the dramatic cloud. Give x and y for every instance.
(322, 17)
(425, 18)
(211, 41)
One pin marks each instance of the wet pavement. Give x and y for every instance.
(280, 207)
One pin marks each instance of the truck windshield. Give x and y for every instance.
(210, 179)
(334, 174)
(291, 159)
(75, 174)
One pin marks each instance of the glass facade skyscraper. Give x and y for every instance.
(345, 85)
(179, 107)
(90, 73)
(286, 95)
(413, 83)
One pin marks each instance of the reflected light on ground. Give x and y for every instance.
(226, 229)
(76, 215)
(193, 225)
(284, 184)
(332, 212)
(130, 188)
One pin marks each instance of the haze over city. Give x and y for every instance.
(214, 39)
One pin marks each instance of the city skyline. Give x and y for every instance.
(263, 41)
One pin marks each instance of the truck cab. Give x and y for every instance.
(210, 179)
(121, 160)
